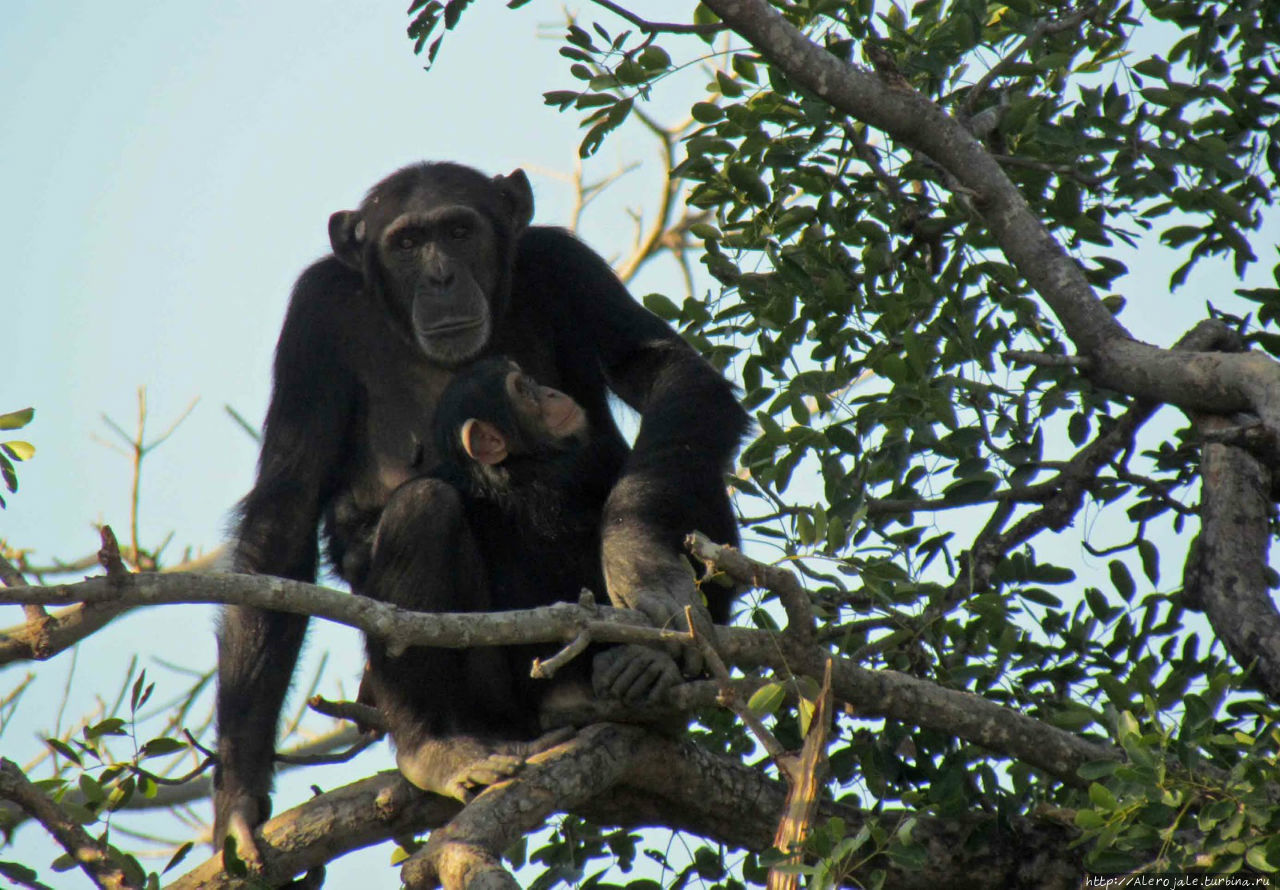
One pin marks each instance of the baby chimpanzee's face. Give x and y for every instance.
(525, 418)
(545, 413)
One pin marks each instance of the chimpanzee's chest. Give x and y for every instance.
(534, 561)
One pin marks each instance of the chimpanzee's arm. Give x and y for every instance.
(302, 448)
(691, 424)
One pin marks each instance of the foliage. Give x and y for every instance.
(865, 306)
(95, 782)
(14, 449)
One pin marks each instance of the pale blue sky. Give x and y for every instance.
(166, 170)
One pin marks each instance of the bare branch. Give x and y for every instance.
(659, 27)
(749, 572)
(545, 669)
(728, 696)
(806, 775)
(1046, 359)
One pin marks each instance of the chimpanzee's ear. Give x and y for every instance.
(483, 442)
(346, 234)
(518, 195)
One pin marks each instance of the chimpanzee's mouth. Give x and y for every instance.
(450, 328)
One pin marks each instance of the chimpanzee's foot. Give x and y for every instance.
(458, 766)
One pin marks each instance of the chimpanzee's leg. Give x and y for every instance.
(450, 711)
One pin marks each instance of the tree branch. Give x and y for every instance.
(467, 852)
(1225, 572)
(872, 693)
(658, 27)
(677, 785)
(95, 859)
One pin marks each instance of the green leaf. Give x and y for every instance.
(141, 691)
(1121, 580)
(21, 875)
(178, 856)
(65, 750)
(9, 474)
(750, 182)
(110, 726)
(655, 58)
(767, 699)
(1101, 798)
(1257, 857)
(16, 420)
(1153, 67)
(18, 450)
(1171, 98)
(807, 710)
(729, 87)
(561, 98)
(1097, 769)
(1150, 561)
(91, 790)
(661, 306)
(162, 746)
(1088, 820)
(706, 112)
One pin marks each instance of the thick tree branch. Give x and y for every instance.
(1225, 573)
(44, 636)
(750, 573)
(676, 785)
(558, 623)
(871, 693)
(467, 852)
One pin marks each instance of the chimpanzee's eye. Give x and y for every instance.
(460, 231)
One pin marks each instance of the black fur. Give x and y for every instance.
(532, 524)
(353, 397)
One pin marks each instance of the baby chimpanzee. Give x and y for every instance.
(510, 519)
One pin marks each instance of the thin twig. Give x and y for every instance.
(744, 570)
(1047, 359)
(360, 714)
(660, 27)
(545, 669)
(728, 697)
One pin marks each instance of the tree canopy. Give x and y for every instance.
(1013, 618)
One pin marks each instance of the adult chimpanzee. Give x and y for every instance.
(438, 266)
(510, 518)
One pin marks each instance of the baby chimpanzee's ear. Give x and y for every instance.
(483, 442)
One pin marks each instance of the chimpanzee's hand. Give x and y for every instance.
(655, 582)
(634, 674)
